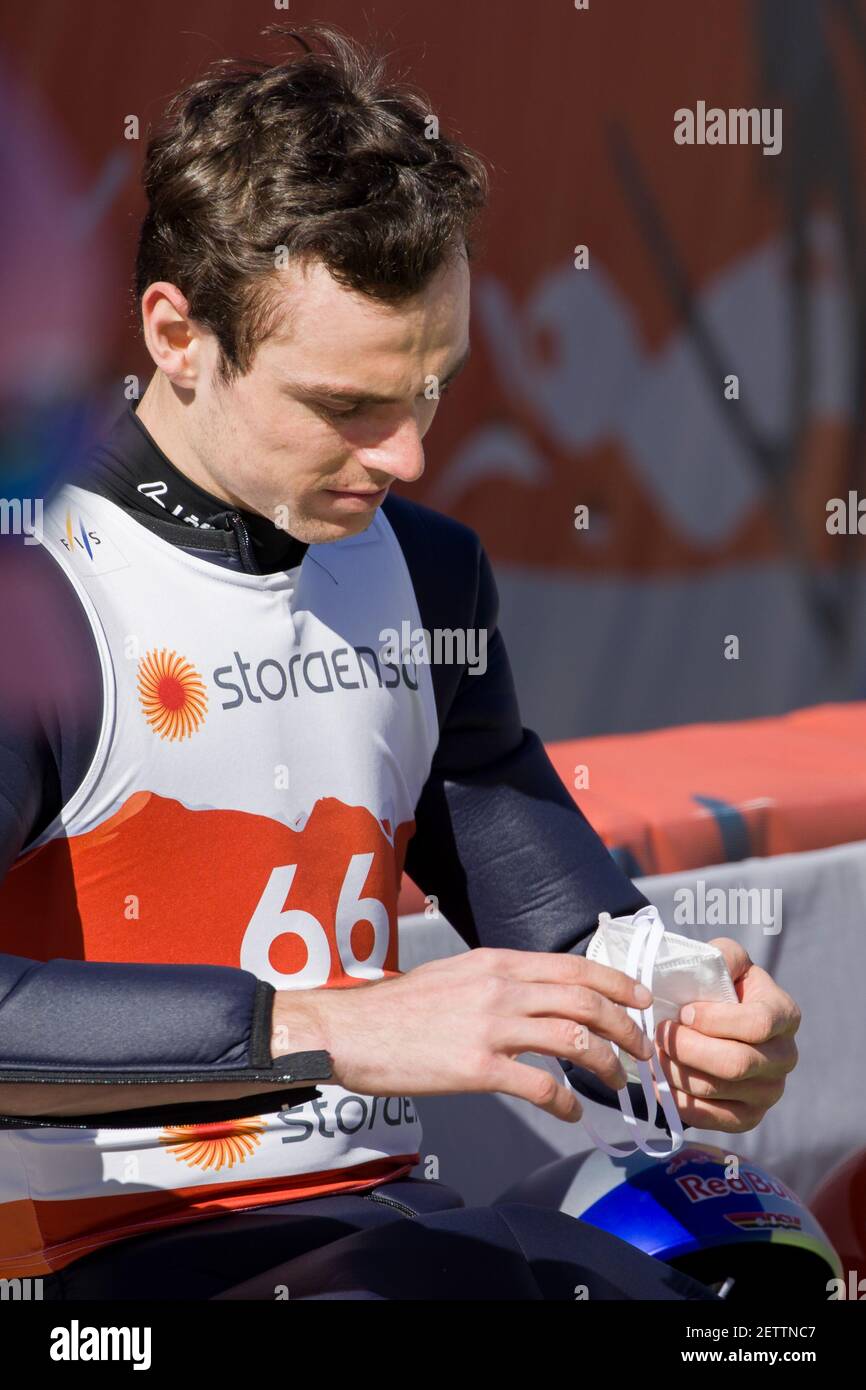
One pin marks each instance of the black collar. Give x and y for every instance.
(130, 469)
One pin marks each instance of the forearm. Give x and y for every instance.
(82, 1038)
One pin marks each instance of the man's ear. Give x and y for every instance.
(173, 340)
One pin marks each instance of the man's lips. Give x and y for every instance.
(346, 492)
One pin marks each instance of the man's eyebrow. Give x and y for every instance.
(345, 395)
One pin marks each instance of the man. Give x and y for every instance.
(215, 770)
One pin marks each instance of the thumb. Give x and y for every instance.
(736, 956)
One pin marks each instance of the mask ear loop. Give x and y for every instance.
(643, 948)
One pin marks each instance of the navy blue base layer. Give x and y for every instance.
(408, 1239)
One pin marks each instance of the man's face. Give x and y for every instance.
(280, 440)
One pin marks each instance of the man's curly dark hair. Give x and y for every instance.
(318, 158)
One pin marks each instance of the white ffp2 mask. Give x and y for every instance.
(683, 971)
(677, 971)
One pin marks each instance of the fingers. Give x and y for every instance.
(725, 1059)
(539, 1087)
(553, 967)
(731, 1116)
(556, 1037)
(755, 1021)
(582, 1005)
(698, 1085)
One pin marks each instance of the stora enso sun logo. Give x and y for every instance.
(214, 1146)
(172, 694)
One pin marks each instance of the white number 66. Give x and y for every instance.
(269, 922)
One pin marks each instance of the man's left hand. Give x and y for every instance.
(728, 1064)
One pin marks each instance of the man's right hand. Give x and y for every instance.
(458, 1024)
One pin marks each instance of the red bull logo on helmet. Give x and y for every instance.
(700, 1188)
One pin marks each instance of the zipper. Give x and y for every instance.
(132, 1078)
(178, 1112)
(386, 1201)
(243, 539)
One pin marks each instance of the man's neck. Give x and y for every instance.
(160, 412)
(131, 469)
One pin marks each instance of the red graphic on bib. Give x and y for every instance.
(158, 882)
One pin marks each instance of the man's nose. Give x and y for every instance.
(400, 454)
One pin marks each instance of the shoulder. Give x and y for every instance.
(40, 604)
(430, 529)
(51, 686)
(444, 556)
(45, 634)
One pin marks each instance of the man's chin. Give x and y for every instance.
(318, 531)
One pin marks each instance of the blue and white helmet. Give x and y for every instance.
(724, 1220)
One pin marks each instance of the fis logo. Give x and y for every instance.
(81, 538)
